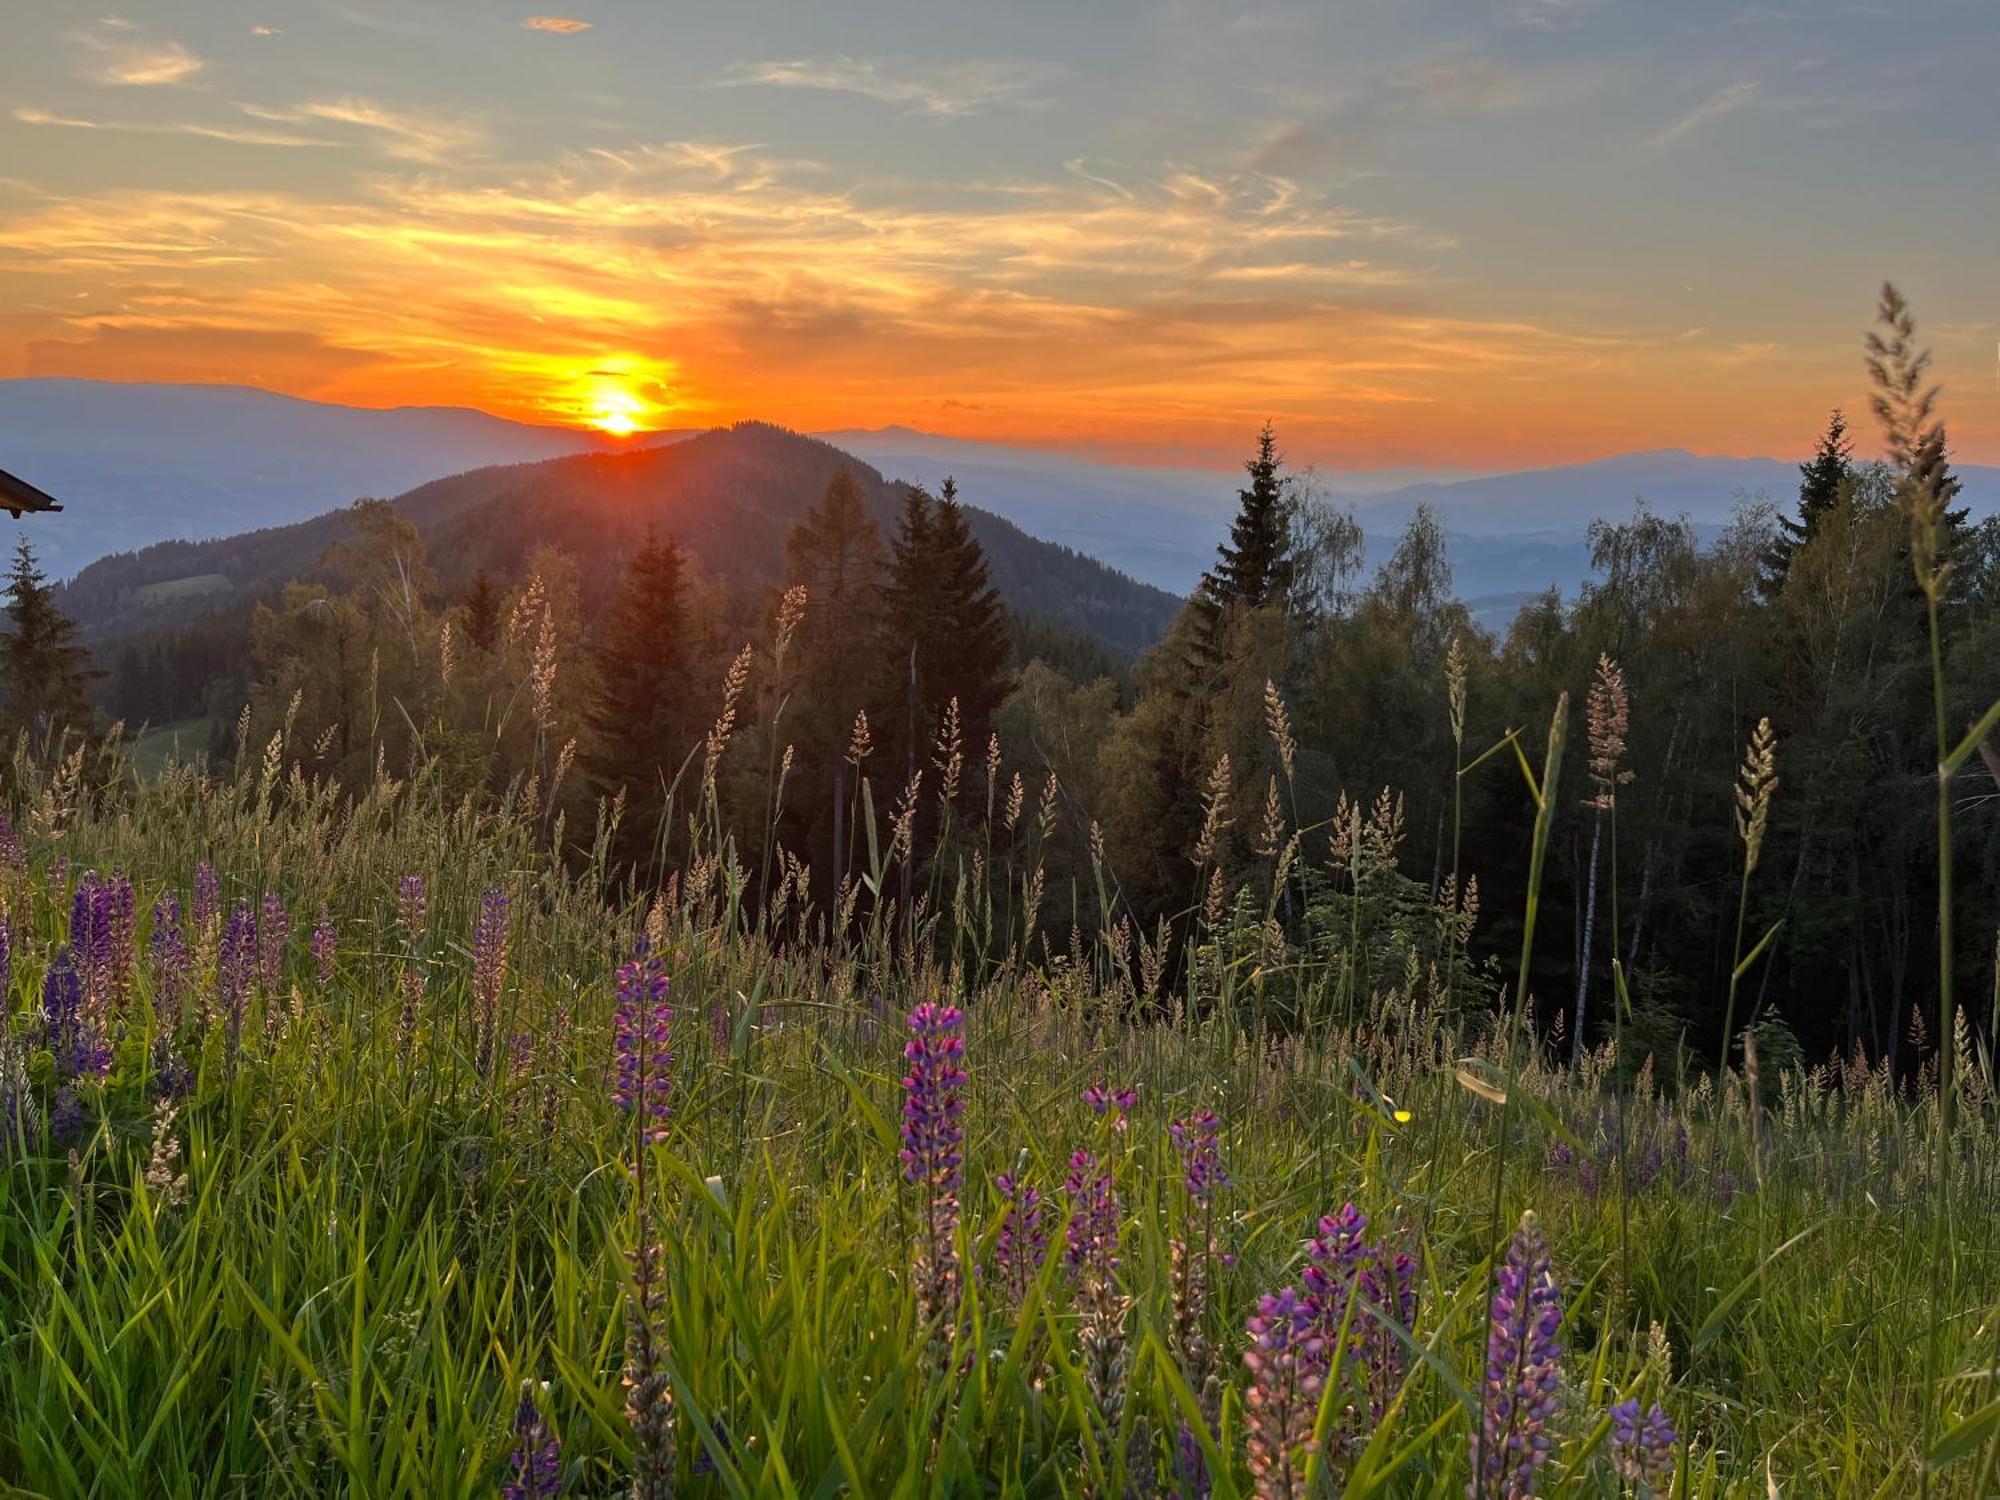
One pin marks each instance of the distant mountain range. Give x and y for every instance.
(137, 464)
(729, 495)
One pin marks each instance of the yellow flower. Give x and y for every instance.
(1403, 1117)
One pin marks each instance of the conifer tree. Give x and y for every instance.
(642, 717)
(834, 551)
(45, 672)
(1821, 478)
(1254, 567)
(481, 612)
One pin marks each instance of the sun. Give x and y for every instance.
(615, 411)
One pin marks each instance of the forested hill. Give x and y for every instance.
(729, 496)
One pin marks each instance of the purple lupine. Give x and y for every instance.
(933, 1153)
(236, 970)
(535, 1468)
(120, 926)
(412, 904)
(274, 930)
(66, 1118)
(207, 910)
(1198, 1138)
(1642, 1448)
(1022, 1242)
(168, 946)
(1091, 1241)
(642, 1038)
(489, 974)
(1523, 1359)
(323, 946)
(412, 911)
(1287, 1364)
(67, 1030)
(59, 870)
(12, 855)
(6, 958)
(90, 938)
(1190, 1466)
(1103, 1099)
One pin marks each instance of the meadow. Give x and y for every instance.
(358, 1145)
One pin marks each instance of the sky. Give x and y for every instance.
(1414, 234)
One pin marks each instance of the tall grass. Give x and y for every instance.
(337, 1263)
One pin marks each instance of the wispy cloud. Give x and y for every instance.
(238, 136)
(1724, 101)
(1554, 15)
(942, 91)
(562, 25)
(404, 134)
(118, 53)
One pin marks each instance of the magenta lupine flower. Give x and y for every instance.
(1103, 1099)
(933, 1153)
(1523, 1357)
(120, 926)
(170, 960)
(90, 938)
(535, 1469)
(323, 946)
(274, 930)
(1287, 1364)
(236, 969)
(1091, 1241)
(1642, 1448)
(1198, 1138)
(642, 1037)
(1022, 1242)
(207, 909)
(76, 1045)
(489, 973)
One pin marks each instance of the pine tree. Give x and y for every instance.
(480, 613)
(1254, 567)
(835, 552)
(45, 672)
(945, 632)
(642, 717)
(1821, 479)
(975, 627)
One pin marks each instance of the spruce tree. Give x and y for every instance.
(642, 717)
(1254, 567)
(1821, 479)
(974, 624)
(481, 612)
(46, 673)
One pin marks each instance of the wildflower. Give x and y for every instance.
(642, 1035)
(6, 959)
(1523, 1352)
(1091, 1241)
(1198, 1138)
(535, 1469)
(1287, 1364)
(489, 972)
(933, 1147)
(322, 945)
(170, 961)
(207, 898)
(66, 1026)
(412, 912)
(274, 928)
(235, 969)
(66, 1119)
(90, 939)
(1190, 1466)
(1103, 1100)
(1642, 1449)
(649, 1399)
(1022, 1242)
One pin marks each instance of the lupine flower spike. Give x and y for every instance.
(933, 1152)
(1287, 1364)
(1523, 1358)
(535, 1468)
(1642, 1448)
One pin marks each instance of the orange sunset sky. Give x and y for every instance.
(1440, 235)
